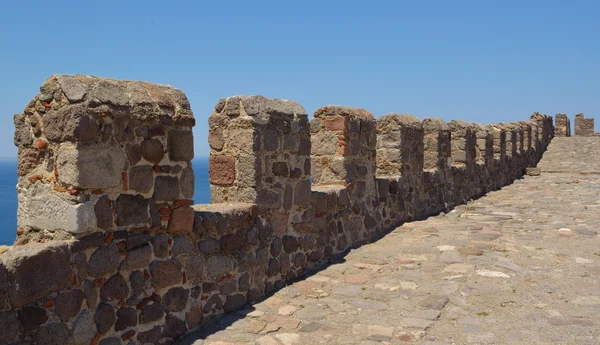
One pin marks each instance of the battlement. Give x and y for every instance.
(110, 246)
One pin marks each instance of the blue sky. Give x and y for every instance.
(483, 61)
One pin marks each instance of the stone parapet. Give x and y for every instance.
(584, 127)
(117, 253)
(562, 125)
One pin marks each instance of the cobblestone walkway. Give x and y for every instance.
(518, 266)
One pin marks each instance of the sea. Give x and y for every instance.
(8, 195)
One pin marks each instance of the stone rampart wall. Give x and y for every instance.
(111, 251)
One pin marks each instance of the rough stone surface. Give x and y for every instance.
(52, 334)
(39, 206)
(181, 145)
(37, 271)
(114, 289)
(104, 260)
(166, 188)
(67, 305)
(90, 168)
(104, 317)
(166, 273)
(9, 323)
(84, 329)
(131, 209)
(141, 178)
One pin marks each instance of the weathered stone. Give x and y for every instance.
(115, 288)
(160, 243)
(104, 260)
(92, 240)
(221, 170)
(52, 334)
(230, 243)
(215, 139)
(194, 316)
(141, 178)
(41, 207)
(274, 268)
(137, 240)
(67, 305)
(126, 317)
(166, 188)
(195, 268)
(10, 325)
(290, 244)
(132, 209)
(152, 336)
(104, 213)
(166, 273)
(209, 246)
(74, 89)
(173, 327)
(152, 150)
(134, 153)
(32, 318)
(98, 167)
(23, 136)
(70, 123)
(218, 265)
(234, 302)
(181, 245)
(28, 160)
(151, 313)
(4, 287)
(181, 221)
(175, 300)
(280, 169)
(187, 183)
(104, 317)
(303, 193)
(180, 145)
(84, 329)
(37, 271)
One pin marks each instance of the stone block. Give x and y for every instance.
(68, 304)
(84, 329)
(32, 318)
(181, 221)
(23, 135)
(166, 188)
(104, 317)
(175, 300)
(90, 167)
(70, 123)
(152, 150)
(41, 207)
(104, 260)
(52, 334)
(114, 289)
(166, 273)
(533, 171)
(37, 271)
(186, 183)
(132, 209)
(221, 170)
(180, 145)
(141, 178)
(10, 325)
(126, 317)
